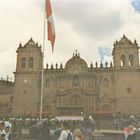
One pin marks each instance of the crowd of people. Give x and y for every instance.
(120, 121)
(47, 129)
(54, 129)
(64, 130)
(130, 125)
(131, 132)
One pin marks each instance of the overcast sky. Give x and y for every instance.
(84, 25)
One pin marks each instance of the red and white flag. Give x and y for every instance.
(50, 23)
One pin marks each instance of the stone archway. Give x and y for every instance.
(106, 107)
(76, 100)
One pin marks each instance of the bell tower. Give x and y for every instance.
(27, 78)
(126, 54)
(29, 57)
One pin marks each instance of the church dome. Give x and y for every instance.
(76, 62)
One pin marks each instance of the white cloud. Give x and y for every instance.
(82, 25)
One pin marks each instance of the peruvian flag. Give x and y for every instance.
(51, 30)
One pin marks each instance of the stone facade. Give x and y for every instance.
(76, 88)
(6, 97)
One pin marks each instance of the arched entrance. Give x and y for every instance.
(106, 107)
(76, 100)
(74, 106)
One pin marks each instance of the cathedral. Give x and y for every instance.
(75, 87)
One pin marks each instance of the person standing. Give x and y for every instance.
(2, 127)
(57, 131)
(66, 134)
(45, 130)
(8, 134)
(129, 132)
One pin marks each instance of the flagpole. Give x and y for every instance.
(42, 68)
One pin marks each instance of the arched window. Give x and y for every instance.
(30, 64)
(90, 82)
(23, 62)
(123, 60)
(131, 60)
(75, 81)
(76, 100)
(105, 82)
